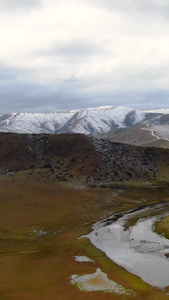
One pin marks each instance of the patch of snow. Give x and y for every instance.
(164, 111)
(159, 131)
(98, 108)
(40, 232)
(98, 282)
(152, 132)
(83, 259)
(139, 116)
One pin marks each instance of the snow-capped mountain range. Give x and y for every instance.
(87, 121)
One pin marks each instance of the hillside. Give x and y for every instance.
(76, 157)
(55, 156)
(120, 124)
(137, 135)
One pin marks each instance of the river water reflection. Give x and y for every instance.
(138, 249)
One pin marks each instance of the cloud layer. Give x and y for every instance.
(76, 54)
(12, 6)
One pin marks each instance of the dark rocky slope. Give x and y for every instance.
(95, 162)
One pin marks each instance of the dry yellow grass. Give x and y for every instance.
(162, 227)
(64, 213)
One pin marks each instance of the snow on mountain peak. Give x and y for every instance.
(97, 108)
(164, 111)
(88, 121)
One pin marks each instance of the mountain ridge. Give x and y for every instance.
(91, 121)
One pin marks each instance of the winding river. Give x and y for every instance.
(137, 249)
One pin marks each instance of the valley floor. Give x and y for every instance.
(40, 223)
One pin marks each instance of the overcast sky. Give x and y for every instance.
(72, 54)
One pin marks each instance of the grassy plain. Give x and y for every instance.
(40, 222)
(162, 227)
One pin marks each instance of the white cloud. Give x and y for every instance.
(107, 46)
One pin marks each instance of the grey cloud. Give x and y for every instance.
(13, 5)
(8, 74)
(77, 48)
(73, 94)
(140, 6)
(143, 99)
(144, 73)
(18, 94)
(74, 49)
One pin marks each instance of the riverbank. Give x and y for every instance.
(138, 248)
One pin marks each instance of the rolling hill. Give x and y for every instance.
(78, 158)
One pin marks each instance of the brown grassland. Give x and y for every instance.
(46, 205)
(49, 216)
